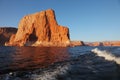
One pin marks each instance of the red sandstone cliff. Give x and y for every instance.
(40, 29)
(5, 33)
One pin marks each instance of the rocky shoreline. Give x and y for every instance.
(7, 32)
(104, 43)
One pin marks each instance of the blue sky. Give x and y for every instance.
(88, 20)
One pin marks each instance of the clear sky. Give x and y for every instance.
(88, 20)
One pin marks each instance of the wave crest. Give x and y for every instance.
(107, 55)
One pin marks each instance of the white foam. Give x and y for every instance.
(106, 55)
(50, 75)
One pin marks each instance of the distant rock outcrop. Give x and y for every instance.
(94, 44)
(111, 43)
(5, 33)
(76, 43)
(104, 43)
(40, 29)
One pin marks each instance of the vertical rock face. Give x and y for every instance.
(40, 29)
(5, 33)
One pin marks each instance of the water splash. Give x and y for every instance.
(107, 55)
(51, 74)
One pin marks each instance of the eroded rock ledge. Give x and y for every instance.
(40, 29)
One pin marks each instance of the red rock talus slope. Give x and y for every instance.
(40, 29)
(5, 33)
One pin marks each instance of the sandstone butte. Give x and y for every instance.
(5, 33)
(40, 29)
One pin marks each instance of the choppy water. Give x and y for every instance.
(51, 63)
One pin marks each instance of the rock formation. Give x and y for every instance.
(95, 44)
(104, 43)
(5, 33)
(76, 43)
(40, 29)
(111, 43)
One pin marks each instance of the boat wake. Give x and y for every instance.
(107, 55)
(51, 74)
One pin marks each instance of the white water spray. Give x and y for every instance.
(106, 55)
(51, 75)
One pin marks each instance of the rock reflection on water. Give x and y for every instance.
(25, 58)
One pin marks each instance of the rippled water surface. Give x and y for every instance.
(51, 63)
(24, 58)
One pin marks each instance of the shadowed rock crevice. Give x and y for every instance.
(32, 37)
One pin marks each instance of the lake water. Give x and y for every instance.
(52, 63)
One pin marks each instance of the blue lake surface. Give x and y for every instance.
(55, 63)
